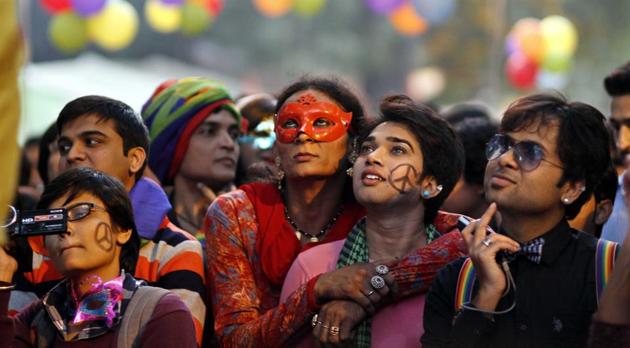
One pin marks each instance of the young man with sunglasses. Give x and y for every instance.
(617, 86)
(532, 284)
(106, 134)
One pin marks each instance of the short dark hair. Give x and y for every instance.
(618, 81)
(114, 196)
(127, 123)
(582, 142)
(333, 87)
(441, 150)
(475, 127)
(49, 137)
(606, 188)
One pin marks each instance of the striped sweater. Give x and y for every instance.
(170, 257)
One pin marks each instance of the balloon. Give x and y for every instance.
(384, 7)
(172, 2)
(434, 11)
(273, 8)
(56, 6)
(162, 18)
(195, 19)
(556, 62)
(87, 8)
(307, 8)
(529, 38)
(521, 71)
(510, 44)
(559, 35)
(407, 22)
(215, 7)
(425, 84)
(115, 27)
(551, 80)
(67, 32)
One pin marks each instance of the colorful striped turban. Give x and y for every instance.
(174, 111)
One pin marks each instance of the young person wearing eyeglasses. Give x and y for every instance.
(96, 303)
(535, 283)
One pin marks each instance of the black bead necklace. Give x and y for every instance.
(312, 238)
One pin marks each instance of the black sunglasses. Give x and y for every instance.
(81, 210)
(527, 154)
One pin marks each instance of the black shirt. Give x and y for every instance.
(554, 300)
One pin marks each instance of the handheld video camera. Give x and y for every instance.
(36, 222)
(27, 223)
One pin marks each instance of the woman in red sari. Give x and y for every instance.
(254, 234)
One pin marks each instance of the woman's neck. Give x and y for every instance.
(393, 233)
(189, 203)
(312, 203)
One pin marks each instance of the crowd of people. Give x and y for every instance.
(299, 219)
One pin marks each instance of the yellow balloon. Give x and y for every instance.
(273, 8)
(559, 35)
(163, 18)
(115, 27)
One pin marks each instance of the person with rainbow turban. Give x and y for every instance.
(194, 127)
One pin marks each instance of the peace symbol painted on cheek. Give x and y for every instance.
(403, 177)
(104, 237)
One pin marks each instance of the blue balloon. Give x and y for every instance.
(434, 11)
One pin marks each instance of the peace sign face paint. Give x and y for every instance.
(319, 120)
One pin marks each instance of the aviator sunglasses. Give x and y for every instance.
(527, 154)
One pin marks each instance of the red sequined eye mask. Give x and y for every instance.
(321, 121)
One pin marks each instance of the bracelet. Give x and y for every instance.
(7, 287)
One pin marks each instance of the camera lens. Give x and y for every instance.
(11, 217)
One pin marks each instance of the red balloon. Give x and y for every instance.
(215, 7)
(521, 71)
(56, 6)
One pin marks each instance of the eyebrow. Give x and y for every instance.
(399, 140)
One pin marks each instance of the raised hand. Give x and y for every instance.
(482, 249)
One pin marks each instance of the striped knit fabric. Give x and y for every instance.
(174, 111)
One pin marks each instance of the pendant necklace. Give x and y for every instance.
(312, 238)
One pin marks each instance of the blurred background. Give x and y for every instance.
(437, 51)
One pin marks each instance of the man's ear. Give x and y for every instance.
(603, 210)
(136, 157)
(570, 191)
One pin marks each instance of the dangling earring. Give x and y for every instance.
(280, 175)
(349, 172)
